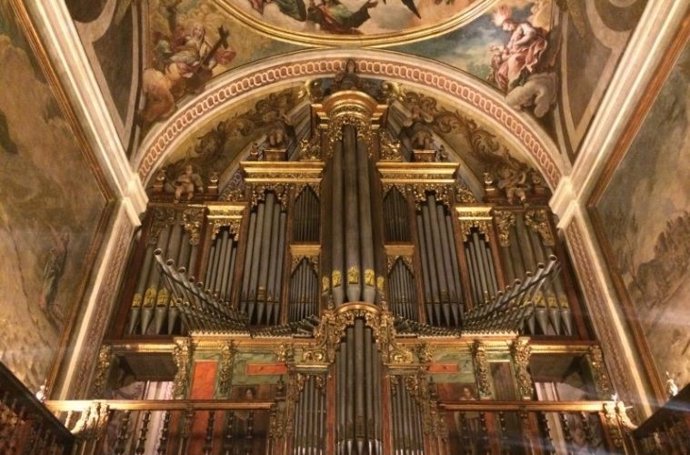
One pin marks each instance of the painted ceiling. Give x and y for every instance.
(549, 61)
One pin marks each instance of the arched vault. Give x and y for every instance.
(475, 98)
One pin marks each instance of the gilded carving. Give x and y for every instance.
(369, 277)
(225, 367)
(229, 216)
(504, 221)
(601, 378)
(353, 275)
(336, 278)
(310, 150)
(192, 219)
(161, 217)
(481, 367)
(325, 284)
(521, 351)
(612, 424)
(392, 259)
(380, 283)
(182, 356)
(441, 191)
(258, 192)
(463, 194)
(105, 358)
(538, 220)
(389, 149)
(474, 217)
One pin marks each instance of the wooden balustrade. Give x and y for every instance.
(535, 428)
(26, 426)
(667, 431)
(158, 427)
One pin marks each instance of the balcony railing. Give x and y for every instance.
(26, 426)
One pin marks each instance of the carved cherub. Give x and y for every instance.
(187, 184)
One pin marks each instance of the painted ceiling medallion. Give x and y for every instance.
(355, 22)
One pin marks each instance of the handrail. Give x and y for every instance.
(159, 405)
(679, 404)
(528, 406)
(26, 419)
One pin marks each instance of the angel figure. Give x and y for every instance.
(519, 58)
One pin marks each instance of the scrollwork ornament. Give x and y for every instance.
(521, 351)
(182, 356)
(441, 192)
(612, 424)
(483, 226)
(161, 218)
(309, 149)
(226, 364)
(233, 225)
(259, 190)
(538, 220)
(504, 221)
(601, 378)
(481, 366)
(464, 195)
(105, 360)
(192, 219)
(389, 148)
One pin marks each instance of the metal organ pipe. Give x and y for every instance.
(352, 221)
(366, 228)
(338, 244)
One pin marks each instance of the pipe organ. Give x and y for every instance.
(343, 264)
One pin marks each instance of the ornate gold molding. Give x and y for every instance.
(392, 259)
(192, 220)
(520, 351)
(595, 357)
(182, 356)
(538, 220)
(225, 215)
(389, 148)
(331, 329)
(481, 368)
(349, 107)
(474, 217)
(225, 369)
(105, 360)
(504, 221)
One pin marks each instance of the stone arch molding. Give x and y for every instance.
(471, 95)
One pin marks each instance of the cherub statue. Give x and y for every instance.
(187, 184)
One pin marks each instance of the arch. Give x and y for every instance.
(476, 98)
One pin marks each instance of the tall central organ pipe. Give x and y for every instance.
(358, 402)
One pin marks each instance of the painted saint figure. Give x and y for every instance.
(519, 58)
(183, 64)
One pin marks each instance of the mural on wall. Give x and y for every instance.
(645, 214)
(50, 206)
(191, 41)
(315, 20)
(110, 31)
(551, 58)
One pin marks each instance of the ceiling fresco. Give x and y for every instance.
(355, 21)
(550, 59)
